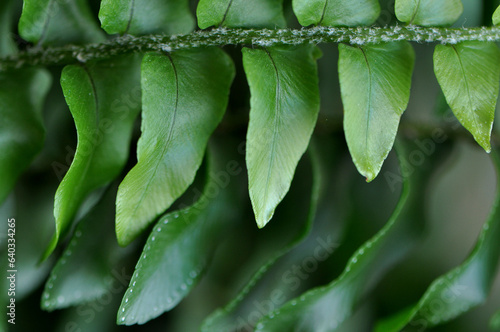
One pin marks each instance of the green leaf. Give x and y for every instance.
(325, 308)
(495, 321)
(496, 16)
(469, 75)
(284, 107)
(30, 243)
(464, 287)
(177, 253)
(22, 93)
(140, 17)
(336, 12)
(240, 13)
(185, 95)
(104, 99)
(7, 45)
(226, 319)
(89, 267)
(53, 22)
(429, 12)
(375, 84)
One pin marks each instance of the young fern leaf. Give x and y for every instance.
(140, 17)
(469, 75)
(240, 13)
(89, 261)
(7, 45)
(284, 107)
(95, 94)
(22, 133)
(429, 12)
(468, 284)
(51, 22)
(177, 253)
(336, 12)
(375, 85)
(325, 308)
(185, 95)
(226, 319)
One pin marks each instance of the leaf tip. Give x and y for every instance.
(50, 249)
(122, 238)
(485, 144)
(369, 175)
(262, 217)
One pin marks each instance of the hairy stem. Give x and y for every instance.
(50, 56)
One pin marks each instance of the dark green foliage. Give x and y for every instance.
(183, 144)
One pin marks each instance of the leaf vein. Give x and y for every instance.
(168, 140)
(277, 113)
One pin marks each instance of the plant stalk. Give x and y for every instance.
(54, 56)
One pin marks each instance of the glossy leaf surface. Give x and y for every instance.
(496, 16)
(429, 12)
(176, 126)
(240, 13)
(284, 107)
(104, 99)
(138, 17)
(469, 75)
(176, 254)
(375, 84)
(52, 22)
(336, 12)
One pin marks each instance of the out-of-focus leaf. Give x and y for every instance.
(375, 83)
(51, 22)
(185, 95)
(336, 12)
(139, 17)
(7, 45)
(21, 128)
(177, 253)
(464, 287)
(469, 75)
(284, 109)
(98, 315)
(33, 212)
(96, 95)
(495, 321)
(240, 13)
(325, 308)
(89, 266)
(429, 12)
(225, 319)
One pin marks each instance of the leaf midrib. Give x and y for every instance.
(88, 160)
(277, 113)
(131, 15)
(369, 112)
(323, 13)
(415, 12)
(168, 141)
(97, 119)
(469, 98)
(226, 12)
(46, 24)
